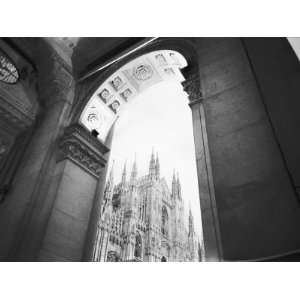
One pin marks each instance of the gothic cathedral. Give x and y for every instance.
(141, 220)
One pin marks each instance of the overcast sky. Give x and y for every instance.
(159, 118)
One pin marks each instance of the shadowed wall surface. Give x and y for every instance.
(256, 201)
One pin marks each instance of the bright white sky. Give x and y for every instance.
(160, 118)
(295, 43)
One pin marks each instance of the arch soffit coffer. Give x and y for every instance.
(85, 89)
(188, 72)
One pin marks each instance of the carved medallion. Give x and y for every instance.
(126, 94)
(104, 95)
(115, 106)
(92, 117)
(143, 72)
(117, 82)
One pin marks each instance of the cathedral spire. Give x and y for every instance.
(110, 181)
(108, 190)
(191, 220)
(174, 185)
(124, 174)
(152, 166)
(178, 187)
(157, 168)
(133, 175)
(111, 173)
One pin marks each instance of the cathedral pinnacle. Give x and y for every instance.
(133, 175)
(178, 187)
(174, 185)
(152, 166)
(124, 174)
(157, 168)
(191, 221)
(108, 191)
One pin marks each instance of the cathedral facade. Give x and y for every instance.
(142, 220)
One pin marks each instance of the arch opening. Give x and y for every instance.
(119, 89)
(112, 101)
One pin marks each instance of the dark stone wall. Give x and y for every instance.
(277, 71)
(259, 213)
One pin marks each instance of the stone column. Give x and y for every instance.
(91, 235)
(23, 216)
(80, 161)
(209, 214)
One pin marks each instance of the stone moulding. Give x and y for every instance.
(78, 145)
(13, 116)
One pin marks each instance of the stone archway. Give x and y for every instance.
(125, 84)
(125, 80)
(244, 104)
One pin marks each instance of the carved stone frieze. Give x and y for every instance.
(192, 86)
(78, 145)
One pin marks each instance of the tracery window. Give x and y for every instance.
(142, 209)
(164, 221)
(8, 72)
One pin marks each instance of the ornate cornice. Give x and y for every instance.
(192, 86)
(78, 145)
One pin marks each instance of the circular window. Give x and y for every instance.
(8, 71)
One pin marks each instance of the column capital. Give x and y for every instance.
(192, 86)
(78, 145)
